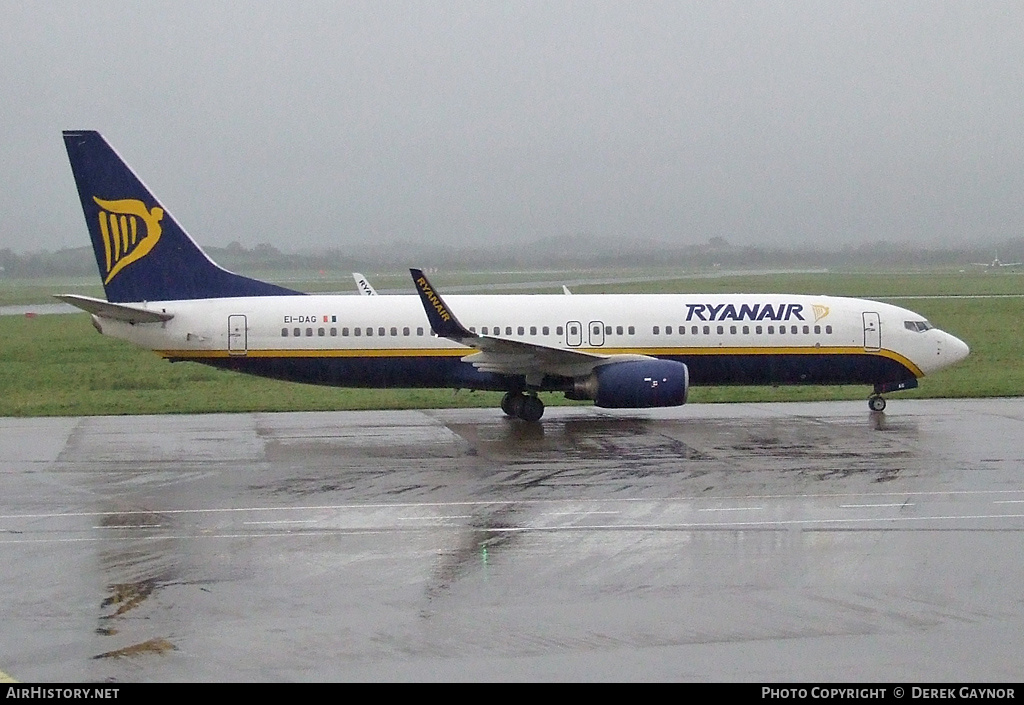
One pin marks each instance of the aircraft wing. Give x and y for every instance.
(516, 357)
(117, 312)
(504, 356)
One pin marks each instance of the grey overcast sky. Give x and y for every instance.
(318, 124)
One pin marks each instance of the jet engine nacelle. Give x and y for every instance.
(635, 384)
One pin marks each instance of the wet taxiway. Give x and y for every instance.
(763, 542)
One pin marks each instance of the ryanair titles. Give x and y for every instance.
(748, 312)
(424, 286)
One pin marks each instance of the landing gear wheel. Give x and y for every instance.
(507, 402)
(531, 409)
(522, 406)
(515, 405)
(876, 403)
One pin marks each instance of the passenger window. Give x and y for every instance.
(369, 331)
(721, 330)
(707, 330)
(632, 330)
(607, 330)
(682, 330)
(807, 329)
(793, 330)
(309, 332)
(828, 330)
(380, 331)
(419, 331)
(521, 330)
(508, 330)
(405, 331)
(759, 330)
(545, 330)
(296, 332)
(694, 330)
(321, 332)
(771, 329)
(746, 330)
(284, 332)
(357, 332)
(533, 330)
(817, 330)
(334, 332)
(472, 329)
(618, 330)
(656, 329)
(558, 330)
(483, 331)
(344, 332)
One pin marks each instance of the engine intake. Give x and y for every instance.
(634, 384)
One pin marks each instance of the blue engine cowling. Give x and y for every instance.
(635, 384)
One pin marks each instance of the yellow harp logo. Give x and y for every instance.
(123, 243)
(819, 312)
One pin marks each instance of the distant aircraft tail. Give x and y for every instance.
(363, 285)
(142, 252)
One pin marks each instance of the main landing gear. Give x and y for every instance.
(522, 406)
(876, 403)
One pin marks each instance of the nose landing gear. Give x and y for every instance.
(877, 403)
(522, 406)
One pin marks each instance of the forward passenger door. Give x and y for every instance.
(872, 332)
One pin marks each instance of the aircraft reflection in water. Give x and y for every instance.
(621, 351)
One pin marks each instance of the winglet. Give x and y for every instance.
(442, 321)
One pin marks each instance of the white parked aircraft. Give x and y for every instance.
(996, 264)
(622, 351)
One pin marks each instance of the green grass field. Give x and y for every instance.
(58, 364)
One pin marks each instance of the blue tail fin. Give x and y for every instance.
(142, 252)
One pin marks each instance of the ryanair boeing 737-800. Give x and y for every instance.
(621, 351)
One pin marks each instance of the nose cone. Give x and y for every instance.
(954, 349)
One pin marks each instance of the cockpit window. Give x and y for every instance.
(918, 326)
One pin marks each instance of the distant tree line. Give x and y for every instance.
(566, 252)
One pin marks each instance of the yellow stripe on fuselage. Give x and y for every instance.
(355, 352)
(462, 352)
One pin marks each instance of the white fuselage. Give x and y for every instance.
(724, 339)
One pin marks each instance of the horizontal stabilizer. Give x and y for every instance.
(117, 312)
